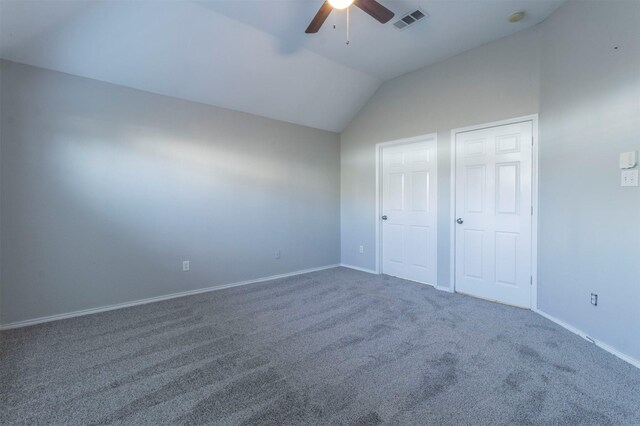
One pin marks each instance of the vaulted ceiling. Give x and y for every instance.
(251, 56)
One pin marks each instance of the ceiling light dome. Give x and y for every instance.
(340, 4)
(516, 17)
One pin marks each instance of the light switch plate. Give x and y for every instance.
(629, 178)
(628, 160)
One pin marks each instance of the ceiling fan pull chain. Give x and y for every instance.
(348, 26)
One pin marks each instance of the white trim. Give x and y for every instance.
(418, 282)
(371, 271)
(379, 147)
(447, 289)
(534, 216)
(534, 200)
(90, 311)
(515, 120)
(631, 360)
(452, 214)
(357, 268)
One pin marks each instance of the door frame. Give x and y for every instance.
(534, 200)
(379, 147)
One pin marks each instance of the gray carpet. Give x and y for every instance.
(336, 346)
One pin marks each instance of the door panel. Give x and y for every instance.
(473, 249)
(506, 257)
(420, 241)
(507, 188)
(475, 189)
(420, 191)
(409, 203)
(493, 202)
(395, 243)
(395, 189)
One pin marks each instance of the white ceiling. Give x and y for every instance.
(251, 56)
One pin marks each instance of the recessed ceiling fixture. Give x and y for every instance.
(340, 4)
(516, 17)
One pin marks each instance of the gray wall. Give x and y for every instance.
(105, 190)
(587, 95)
(493, 82)
(589, 228)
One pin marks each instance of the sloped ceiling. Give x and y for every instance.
(250, 56)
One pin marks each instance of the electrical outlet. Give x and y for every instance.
(361, 249)
(594, 299)
(186, 265)
(277, 254)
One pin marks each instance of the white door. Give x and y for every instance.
(493, 213)
(409, 211)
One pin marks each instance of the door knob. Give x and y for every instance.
(384, 217)
(460, 221)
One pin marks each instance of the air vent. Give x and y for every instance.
(410, 19)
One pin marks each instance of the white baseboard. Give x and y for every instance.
(40, 320)
(446, 289)
(631, 360)
(357, 268)
(371, 271)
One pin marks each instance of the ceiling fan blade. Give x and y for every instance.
(319, 19)
(375, 9)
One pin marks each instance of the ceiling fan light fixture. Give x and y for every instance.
(371, 7)
(340, 4)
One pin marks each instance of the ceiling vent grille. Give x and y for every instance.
(410, 19)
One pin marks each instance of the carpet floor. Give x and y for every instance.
(336, 346)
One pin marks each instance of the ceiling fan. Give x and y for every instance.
(371, 7)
